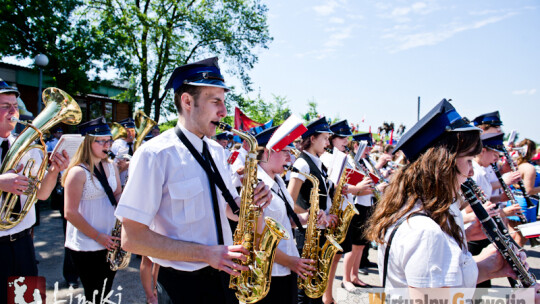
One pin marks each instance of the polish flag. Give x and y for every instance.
(391, 137)
(290, 130)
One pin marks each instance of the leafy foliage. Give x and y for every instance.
(155, 36)
(72, 44)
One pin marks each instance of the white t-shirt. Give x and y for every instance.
(423, 256)
(237, 164)
(277, 210)
(169, 192)
(481, 178)
(121, 146)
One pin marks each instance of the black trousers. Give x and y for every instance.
(283, 290)
(16, 259)
(204, 286)
(69, 272)
(93, 270)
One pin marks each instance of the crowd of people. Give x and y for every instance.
(182, 194)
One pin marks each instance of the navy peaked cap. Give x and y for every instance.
(201, 73)
(5, 88)
(442, 118)
(364, 136)
(95, 127)
(341, 128)
(493, 141)
(492, 118)
(318, 126)
(127, 123)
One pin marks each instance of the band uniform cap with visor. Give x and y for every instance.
(127, 123)
(224, 135)
(493, 141)
(5, 88)
(442, 118)
(318, 126)
(493, 119)
(364, 136)
(201, 73)
(341, 129)
(95, 127)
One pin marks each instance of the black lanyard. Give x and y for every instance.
(102, 178)
(214, 178)
(290, 211)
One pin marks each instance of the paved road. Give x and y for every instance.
(127, 287)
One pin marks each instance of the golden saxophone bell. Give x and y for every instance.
(59, 107)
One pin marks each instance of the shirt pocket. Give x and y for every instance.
(187, 200)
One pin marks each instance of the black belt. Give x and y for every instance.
(15, 236)
(203, 272)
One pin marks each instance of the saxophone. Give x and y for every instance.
(252, 285)
(119, 258)
(315, 285)
(339, 232)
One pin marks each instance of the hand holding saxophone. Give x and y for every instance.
(262, 195)
(302, 267)
(221, 258)
(12, 182)
(108, 241)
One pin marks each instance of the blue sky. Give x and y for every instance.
(374, 58)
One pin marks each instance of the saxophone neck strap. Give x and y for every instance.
(290, 211)
(387, 250)
(102, 178)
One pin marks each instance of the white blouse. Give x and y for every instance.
(96, 209)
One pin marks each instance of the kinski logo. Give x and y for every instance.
(26, 290)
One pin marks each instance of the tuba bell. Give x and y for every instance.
(143, 125)
(59, 107)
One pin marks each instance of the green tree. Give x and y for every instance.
(155, 36)
(312, 111)
(262, 111)
(72, 44)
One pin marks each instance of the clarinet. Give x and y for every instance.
(508, 192)
(495, 235)
(520, 184)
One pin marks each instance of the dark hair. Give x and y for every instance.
(192, 90)
(306, 142)
(429, 181)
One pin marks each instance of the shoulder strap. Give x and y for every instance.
(387, 251)
(215, 175)
(102, 178)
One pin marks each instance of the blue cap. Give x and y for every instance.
(201, 73)
(318, 126)
(5, 88)
(493, 141)
(341, 128)
(364, 136)
(442, 118)
(95, 127)
(492, 118)
(127, 123)
(224, 135)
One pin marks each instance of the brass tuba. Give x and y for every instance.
(59, 107)
(315, 285)
(253, 285)
(143, 125)
(118, 131)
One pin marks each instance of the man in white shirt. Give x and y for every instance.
(124, 146)
(56, 134)
(171, 209)
(17, 254)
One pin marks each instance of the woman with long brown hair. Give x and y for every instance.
(430, 251)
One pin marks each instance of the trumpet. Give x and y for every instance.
(59, 107)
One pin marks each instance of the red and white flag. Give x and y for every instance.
(290, 130)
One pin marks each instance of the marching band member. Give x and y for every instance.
(314, 142)
(17, 254)
(124, 145)
(92, 188)
(287, 263)
(430, 251)
(171, 209)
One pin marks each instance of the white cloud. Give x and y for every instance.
(326, 9)
(336, 20)
(524, 92)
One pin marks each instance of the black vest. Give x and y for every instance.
(305, 190)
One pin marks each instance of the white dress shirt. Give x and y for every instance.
(237, 164)
(303, 167)
(169, 192)
(30, 219)
(481, 178)
(51, 144)
(277, 210)
(121, 146)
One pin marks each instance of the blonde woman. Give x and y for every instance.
(89, 208)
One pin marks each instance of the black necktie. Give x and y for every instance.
(130, 151)
(207, 158)
(5, 148)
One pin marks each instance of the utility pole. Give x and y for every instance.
(418, 116)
